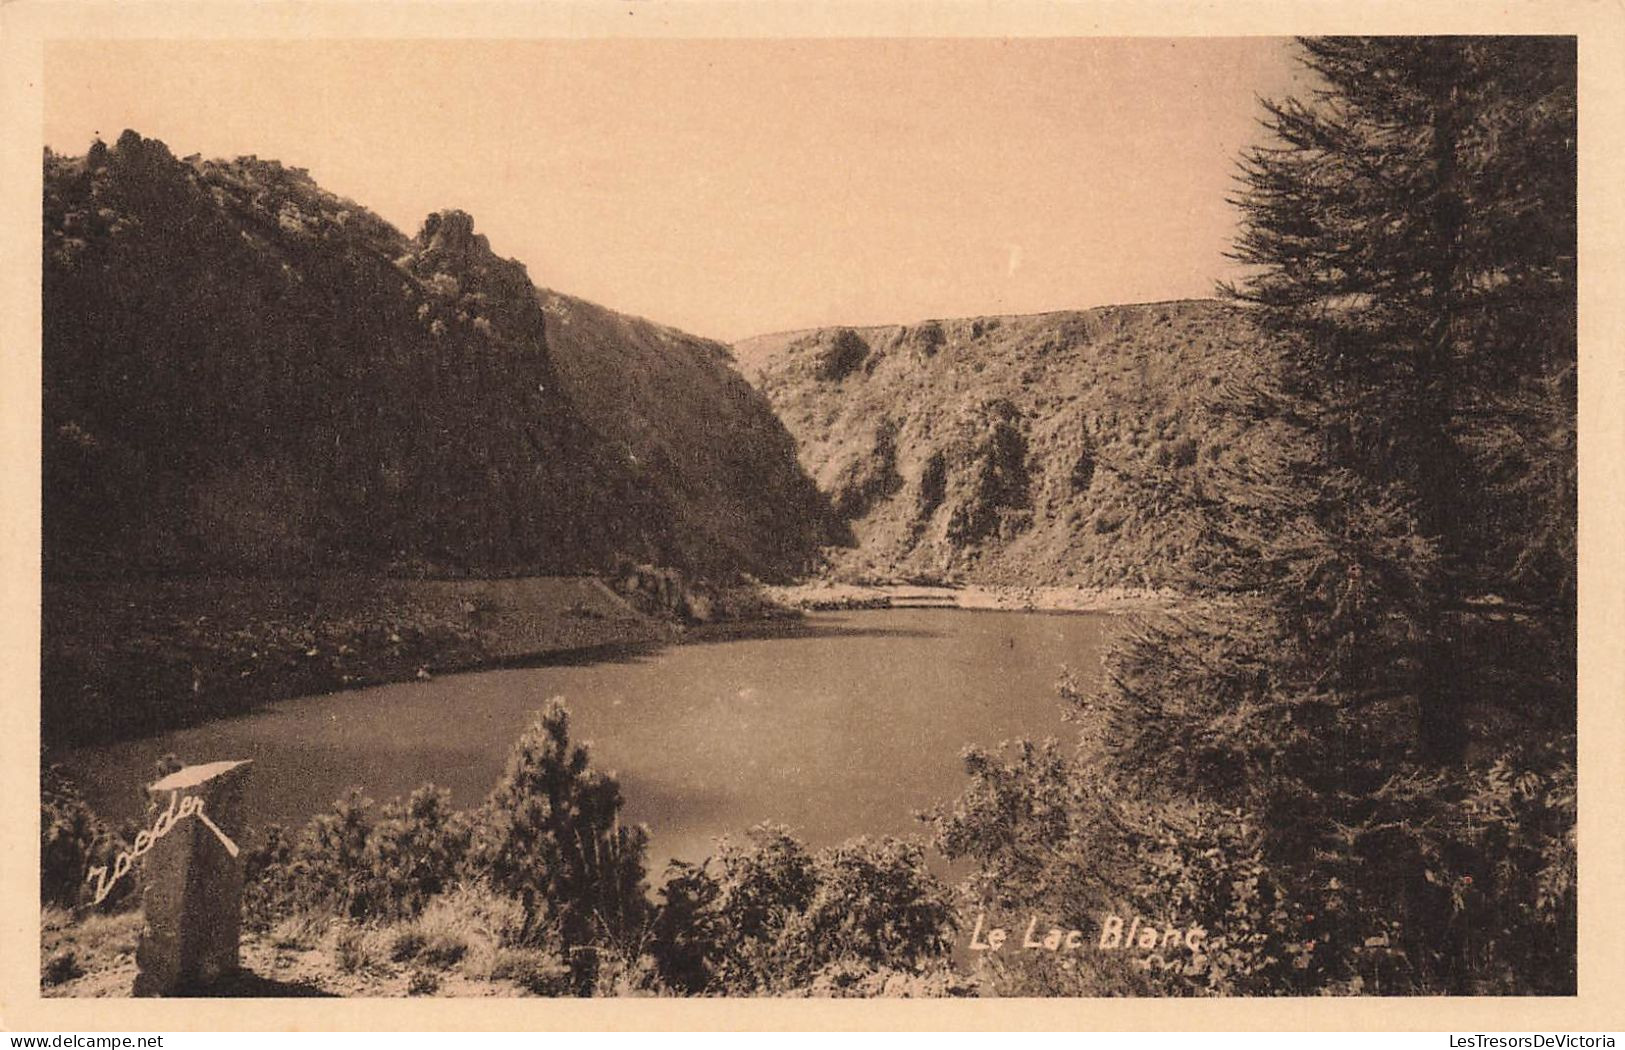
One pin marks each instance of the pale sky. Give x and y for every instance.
(735, 187)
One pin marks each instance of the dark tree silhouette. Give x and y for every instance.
(1412, 230)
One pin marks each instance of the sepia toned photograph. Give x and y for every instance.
(877, 518)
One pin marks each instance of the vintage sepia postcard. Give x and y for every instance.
(909, 516)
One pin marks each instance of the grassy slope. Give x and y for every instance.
(1014, 449)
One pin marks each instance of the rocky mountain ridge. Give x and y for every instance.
(246, 373)
(1016, 449)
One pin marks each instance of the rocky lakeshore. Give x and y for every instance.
(124, 658)
(823, 595)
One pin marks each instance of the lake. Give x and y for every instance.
(844, 724)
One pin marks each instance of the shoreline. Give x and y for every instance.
(828, 596)
(125, 659)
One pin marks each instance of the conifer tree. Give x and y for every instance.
(1401, 541)
(550, 834)
(1411, 227)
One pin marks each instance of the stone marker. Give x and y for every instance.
(192, 879)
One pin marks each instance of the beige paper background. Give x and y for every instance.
(25, 27)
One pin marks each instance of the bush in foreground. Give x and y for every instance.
(767, 917)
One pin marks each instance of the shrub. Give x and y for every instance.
(443, 948)
(1026, 823)
(841, 354)
(1106, 521)
(618, 974)
(460, 923)
(1082, 474)
(1465, 879)
(412, 854)
(329, 864)
(72, 842)
(688, 932)
(868, 477)
(550, 836)
(487, 914)
(1209, 870)
(268, 885)
(924, 338)
(60, 967)
(762, 886)
(406, 943)
(767, 916)
(544, 863)
(351, 863)
(353, 950)
(537, 971)
(876, 904)
(301, 931)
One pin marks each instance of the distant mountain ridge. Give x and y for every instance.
(244, 372)
(1016, 449)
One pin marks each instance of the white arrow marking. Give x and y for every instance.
(231, 847)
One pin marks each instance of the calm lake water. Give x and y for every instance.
(847, 725)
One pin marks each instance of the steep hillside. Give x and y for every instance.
(692, 432)
(1015, 449)
(243, 372)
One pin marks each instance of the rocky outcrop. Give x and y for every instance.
(468, 280)
(1006, 450)
(866, 476)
